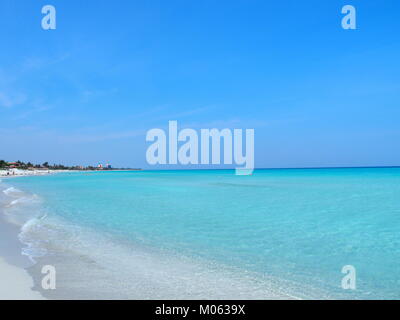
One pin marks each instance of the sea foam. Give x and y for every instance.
(11, 191)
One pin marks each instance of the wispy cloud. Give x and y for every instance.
(96, 137)
(35, 63)
(229, 123)
(74, 137)
(31, 112)
(11, 100)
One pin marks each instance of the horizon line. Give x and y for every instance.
(278, 168)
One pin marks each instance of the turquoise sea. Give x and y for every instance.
(280, 233)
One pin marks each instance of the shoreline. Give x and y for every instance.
(202, 279)
(25, 277)
(16, 282)
(12, 173)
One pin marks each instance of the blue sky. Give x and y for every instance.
(87, 92)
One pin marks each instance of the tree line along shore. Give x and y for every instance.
(4, 165)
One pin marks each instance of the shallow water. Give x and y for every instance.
(211, 234)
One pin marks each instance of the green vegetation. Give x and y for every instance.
(25, 166)
(3, 164)
(46, 166)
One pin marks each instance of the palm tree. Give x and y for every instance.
(3, 164)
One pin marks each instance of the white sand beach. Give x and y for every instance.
(20, 172)
(16, 284)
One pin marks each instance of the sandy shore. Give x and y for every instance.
(15, 282)
(19, 172)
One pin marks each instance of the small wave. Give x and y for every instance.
(11, 191)
(31, 224)
(33, 248)
(23, 200)
(12, 203)
(19, 207)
